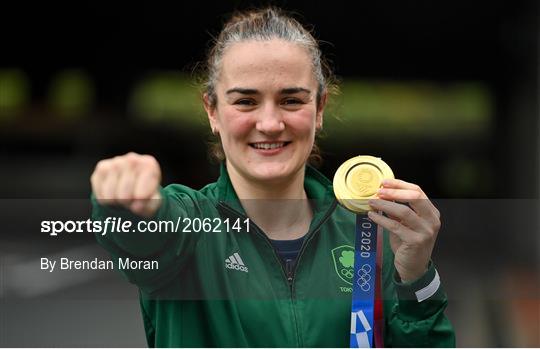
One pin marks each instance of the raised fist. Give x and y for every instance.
(131, 180)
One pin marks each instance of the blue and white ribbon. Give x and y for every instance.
(363, 300)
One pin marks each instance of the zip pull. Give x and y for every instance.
(289, 268)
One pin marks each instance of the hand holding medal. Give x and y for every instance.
(364, 184)
(414, 226)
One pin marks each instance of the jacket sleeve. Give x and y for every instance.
(170, 247)
(414, 311)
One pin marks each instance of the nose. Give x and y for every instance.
(270, 120)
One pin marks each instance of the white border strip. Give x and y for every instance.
(430, 289)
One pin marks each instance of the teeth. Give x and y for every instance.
(268, 145)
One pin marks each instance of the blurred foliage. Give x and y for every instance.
(461, 177)
(71, 94)
(409, 109)
(14, 93)
(169, 98)
(363, 108)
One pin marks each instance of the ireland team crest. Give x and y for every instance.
(343, 257)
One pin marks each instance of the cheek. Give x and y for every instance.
(302, 123)
(237, 125)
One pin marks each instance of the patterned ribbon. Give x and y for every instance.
(366, 310)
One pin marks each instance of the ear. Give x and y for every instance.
(320, 110)
(212, 114)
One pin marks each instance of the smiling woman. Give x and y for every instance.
(284, 279)
(265, 111)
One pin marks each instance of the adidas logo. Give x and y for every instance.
(234, 262)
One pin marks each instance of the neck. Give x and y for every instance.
(280, 208)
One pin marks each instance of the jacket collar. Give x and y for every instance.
(318, 188)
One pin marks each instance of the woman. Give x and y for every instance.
(272, 273)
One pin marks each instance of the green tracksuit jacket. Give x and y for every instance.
(201, 297)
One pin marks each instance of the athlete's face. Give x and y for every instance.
(266, 112)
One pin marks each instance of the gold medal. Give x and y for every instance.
(358, 179)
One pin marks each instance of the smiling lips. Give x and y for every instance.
(269, 145)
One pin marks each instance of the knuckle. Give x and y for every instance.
(131, 158)
(394, 225)
(437, 226)
(422, 239)
(407, 213)
(118, 161)
(94, 180)
(149, 159)
(151, 164)
(102, 166)
(107, 166)
(431, 234)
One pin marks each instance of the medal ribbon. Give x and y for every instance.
(355, 182)
(379, 315)
(366, 310)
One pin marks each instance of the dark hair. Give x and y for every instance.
(262, 25)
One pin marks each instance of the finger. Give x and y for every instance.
(393, 183)
(404, 233)
(146, 185)
(98, 177)
(400, 184)
(417, 199)
(111, 169)
(148, 179)
(108, 188)
(400, 213)
(126, 184)
(401, 194)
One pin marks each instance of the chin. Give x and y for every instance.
(273, 171)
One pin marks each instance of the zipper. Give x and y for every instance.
(290, 270)
(306, 242)
(302, 249)
(259, 232)
(288, 277)
(289, 265)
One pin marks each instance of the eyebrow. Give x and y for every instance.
(251, 91)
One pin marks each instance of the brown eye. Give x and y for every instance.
(292, 101)
(245, 101)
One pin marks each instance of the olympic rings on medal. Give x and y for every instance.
(358, 179)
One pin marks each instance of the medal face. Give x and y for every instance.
(358, 179)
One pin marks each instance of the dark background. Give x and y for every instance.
(496, 44)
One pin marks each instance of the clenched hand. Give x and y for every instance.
(131, 180)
